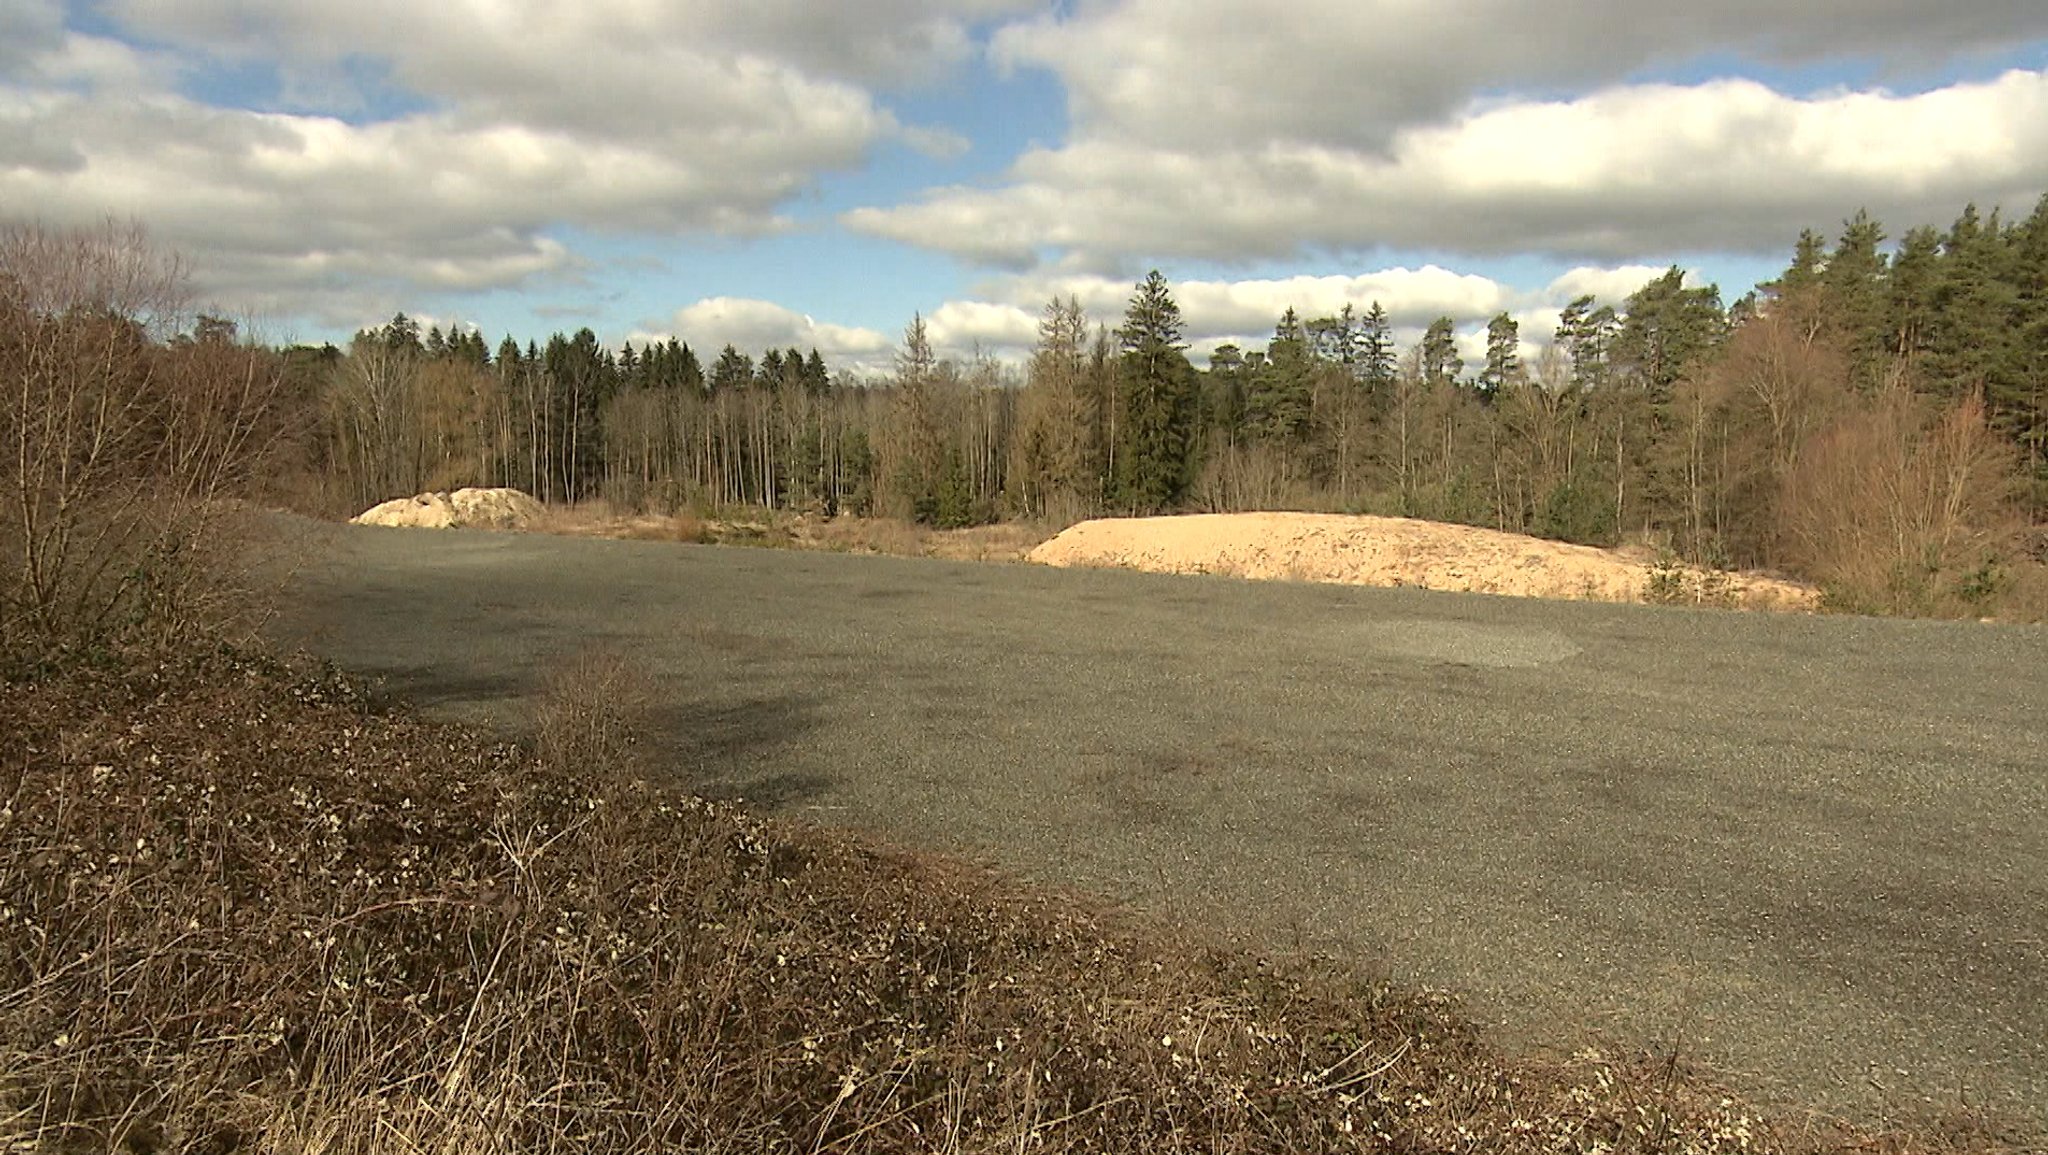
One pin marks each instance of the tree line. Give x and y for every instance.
(1728, 431)
(1874, 418)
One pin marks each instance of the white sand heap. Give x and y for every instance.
(462, 509)
(1392, 551)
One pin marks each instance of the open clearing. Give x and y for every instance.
(1807, 850)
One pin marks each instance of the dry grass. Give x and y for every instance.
(240, 911)
(1002, 542)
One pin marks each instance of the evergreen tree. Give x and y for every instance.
(2028, 395)
(1585, 331)
(1915, 275)
(1441, 364)
(1503, 356)
(917, 447)
(1277, 404)
(733, 372)
(1854, 294)
(1378, 358)
(1666, 329)
(1157, 387)
(686, 371)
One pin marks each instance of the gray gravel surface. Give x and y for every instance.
(1812, 853)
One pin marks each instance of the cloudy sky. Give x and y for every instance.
(813, 173)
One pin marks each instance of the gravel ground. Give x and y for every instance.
(1812, 853)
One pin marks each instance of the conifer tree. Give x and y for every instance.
(1441, 364)
(1157, 397)
(1503, 356)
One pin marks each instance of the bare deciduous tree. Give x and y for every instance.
(121, 438)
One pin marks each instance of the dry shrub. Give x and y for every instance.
(1905, 508)
(125, 441)
(2026, 594)
(891, 536)
(592, 714)
(681, 526)
(1256, 477)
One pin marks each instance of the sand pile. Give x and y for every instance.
(1392, 551)
(462, 509)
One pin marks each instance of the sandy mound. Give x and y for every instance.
(462, 509)
(1392, 551)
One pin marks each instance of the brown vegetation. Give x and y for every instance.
(239, 910)
(124, 436)
(897, 537)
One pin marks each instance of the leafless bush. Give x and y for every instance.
(124, 442)
(1905, 508)
(593, 714)
(1242, 478)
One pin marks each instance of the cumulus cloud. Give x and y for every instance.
(495, 48)
(754, 326)
(501, 130)
(1184, 74)
(1728, 165)
(1001, 320)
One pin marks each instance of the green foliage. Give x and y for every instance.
(1503, 356)
(1575, 513)
(1666, 330)
(1278, 401)
(1157, 436)
(1441, 365)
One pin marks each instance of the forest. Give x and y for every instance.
(1875, 420)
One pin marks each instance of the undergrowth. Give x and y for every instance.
(242, 909)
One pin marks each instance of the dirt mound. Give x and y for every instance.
(1393, 551)
(462, 509)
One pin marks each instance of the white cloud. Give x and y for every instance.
(754, 326)
(1001, 319)
(1611, 286)
(1188, 74)
(960, 328)
(416, 148)
(1729, 165)
(594, 48)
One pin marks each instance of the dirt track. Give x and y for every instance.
(1807, 850)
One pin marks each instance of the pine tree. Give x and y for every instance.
(1853, 292)
(1586, 332)
(1667, 329)
(1378, 359)
(1916, 273)
(1503, 357)
(1157, 389)
(1441, 364)
(733, 371)
(1278, 400)
(2028, 398)
(817, 379)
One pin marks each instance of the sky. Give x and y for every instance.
(817, 172)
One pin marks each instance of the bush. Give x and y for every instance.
(1905, 508)
(126, 440)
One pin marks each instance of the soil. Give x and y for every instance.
(1393, 551)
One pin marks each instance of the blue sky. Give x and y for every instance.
(777, 172)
